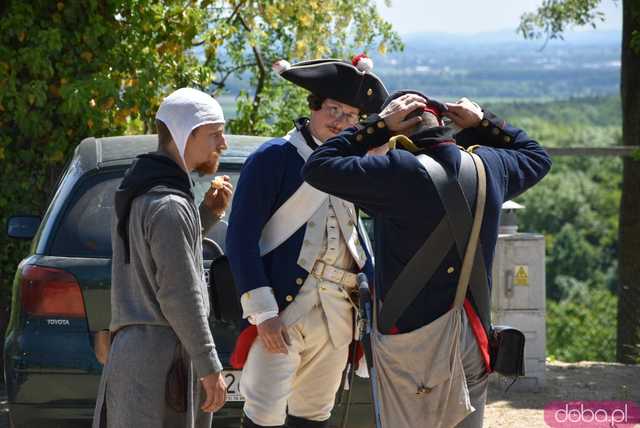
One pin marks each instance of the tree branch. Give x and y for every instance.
(230, 71)
(235, 11)
(262, 75)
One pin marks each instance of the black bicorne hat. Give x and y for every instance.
(338, 80)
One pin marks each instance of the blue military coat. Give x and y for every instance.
(397, 191)
(268, 178)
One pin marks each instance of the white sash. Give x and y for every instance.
(290, 217)
(297, 210)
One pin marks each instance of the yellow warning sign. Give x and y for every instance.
(521, 276)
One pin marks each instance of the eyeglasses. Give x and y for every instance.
(339, 114)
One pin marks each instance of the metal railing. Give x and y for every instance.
(622, 151)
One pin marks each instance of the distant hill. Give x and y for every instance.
(511, 36)
(500, 66)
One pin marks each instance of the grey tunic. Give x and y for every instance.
(159, 298)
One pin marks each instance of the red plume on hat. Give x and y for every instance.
(363, 63)
(280, 66)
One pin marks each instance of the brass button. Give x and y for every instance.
(306, 243)
(359, 137)
(451, 269)
(370, 92)
(381, 124)
(303, 262)
(485, 123)
(495, 131)
(370, 130)
(289, 298)
(248, 294)
(299, 281)
(507, 139)
(311, 224)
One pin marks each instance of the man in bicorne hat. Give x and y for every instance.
(295, 252)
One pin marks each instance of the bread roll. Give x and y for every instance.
(217, 183)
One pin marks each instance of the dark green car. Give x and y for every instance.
(61, 293)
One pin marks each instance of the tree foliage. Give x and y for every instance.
(576, 205)
(583, 327)
(576, 208)
(246, 37)
(69, 70)
(550, 20)
(553, 17)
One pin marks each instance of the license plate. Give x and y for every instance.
(232, 377)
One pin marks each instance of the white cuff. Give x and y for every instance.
(261, 317)
(257, 301)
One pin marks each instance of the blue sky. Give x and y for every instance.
(473, 16)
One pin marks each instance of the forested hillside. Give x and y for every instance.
(576, 208)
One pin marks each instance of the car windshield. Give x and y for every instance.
(85, 228)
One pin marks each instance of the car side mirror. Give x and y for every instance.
(23, 226)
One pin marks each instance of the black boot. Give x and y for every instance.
(296, 422)
(248, 423)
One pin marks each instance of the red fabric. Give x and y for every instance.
(434, 111)
(444, 143)
(243, 344)
(359, 354)
(357, 58)
(479, 333)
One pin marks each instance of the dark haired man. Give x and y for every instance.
(294, 253)
(430, 343)
(159, 298)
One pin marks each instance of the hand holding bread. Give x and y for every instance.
(219, 195)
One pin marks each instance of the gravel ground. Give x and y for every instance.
(564, 381)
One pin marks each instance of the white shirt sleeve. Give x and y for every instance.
(261, 317)
(259, 305)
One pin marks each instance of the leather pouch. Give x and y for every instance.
(506, 346)
(177, 382)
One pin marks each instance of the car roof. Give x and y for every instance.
(98, 152)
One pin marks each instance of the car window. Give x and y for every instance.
(85, 228)
(218, 232)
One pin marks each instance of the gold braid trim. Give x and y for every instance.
(403, 141)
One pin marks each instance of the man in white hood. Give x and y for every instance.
(163, 369)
